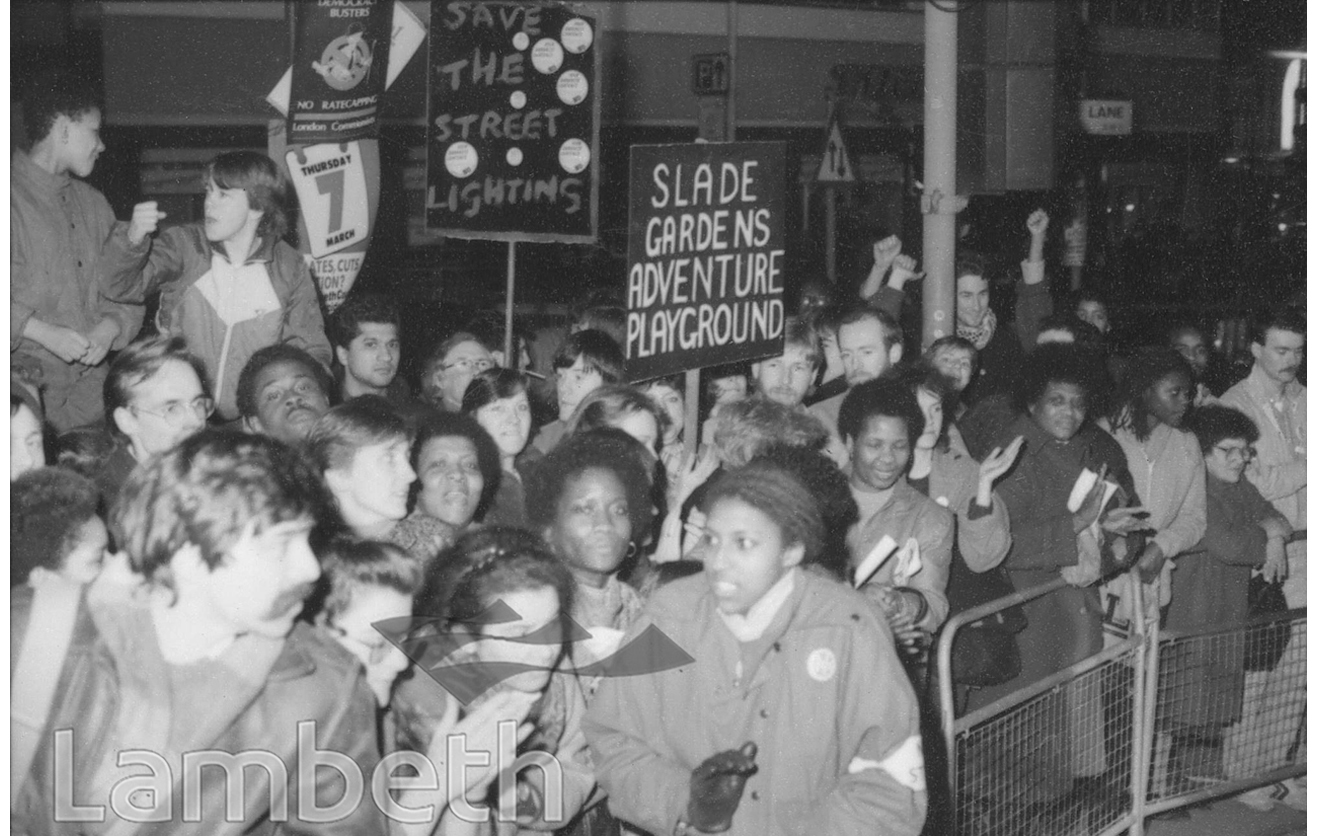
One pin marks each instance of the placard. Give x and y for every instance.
(340, 58)
(330, 181)
(512, 122)
(705, 255)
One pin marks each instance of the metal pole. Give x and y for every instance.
(830, 232)
(510, 361)
(732, 71)
(939, 171)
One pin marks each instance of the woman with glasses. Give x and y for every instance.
(451, 368)
(497, 399)
(1244, 534)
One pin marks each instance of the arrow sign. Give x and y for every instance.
(836, 166)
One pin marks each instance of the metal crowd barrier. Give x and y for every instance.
(1152, 722)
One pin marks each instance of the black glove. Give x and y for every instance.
(716, 787)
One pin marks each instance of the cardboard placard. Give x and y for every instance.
(705, 255)
(340, 57)
(512, 122)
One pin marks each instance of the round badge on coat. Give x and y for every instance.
(821, 664)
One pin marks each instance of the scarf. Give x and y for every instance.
(982, 333)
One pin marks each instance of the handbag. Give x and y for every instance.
(984, 652)
(1264, 643)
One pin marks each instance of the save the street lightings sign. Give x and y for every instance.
(1109, 117)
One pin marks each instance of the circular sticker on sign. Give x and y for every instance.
(577, 36)
(821, 664)
(517, 99)
(547, 55)
(574, 156)
(572, 87)
(521, 41)
(460, 159)
(514, 156)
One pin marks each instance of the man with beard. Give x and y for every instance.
(282, 392)
(189, 642)
(154, 398)
(1274, 399)
(787, 379)
(869, 340)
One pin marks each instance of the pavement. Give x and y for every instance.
(1228, 817)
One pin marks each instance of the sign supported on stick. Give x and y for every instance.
(512, 136)
(705, 256)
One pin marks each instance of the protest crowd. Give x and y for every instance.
(237, 529)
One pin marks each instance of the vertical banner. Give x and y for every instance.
(340, 59)
(512, 122)
(705, 255)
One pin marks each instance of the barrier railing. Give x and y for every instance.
(1153, 722)
(1011, 763)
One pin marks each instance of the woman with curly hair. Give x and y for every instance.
(457, 469)
(1052, 402)
(590, 499)
(1163, 457)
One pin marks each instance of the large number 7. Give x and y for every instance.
(331, 183)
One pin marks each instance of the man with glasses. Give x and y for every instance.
(154, 398)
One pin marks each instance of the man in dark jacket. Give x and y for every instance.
(186, 654)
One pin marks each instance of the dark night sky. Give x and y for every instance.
(1249, 25)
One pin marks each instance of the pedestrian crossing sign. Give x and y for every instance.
(836, 166)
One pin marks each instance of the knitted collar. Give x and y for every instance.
(980, 334)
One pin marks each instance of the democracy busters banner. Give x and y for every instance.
(705, 256)
(512, 135)
(340, 58)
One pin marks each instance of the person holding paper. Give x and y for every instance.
(901, 549)
(1061, 445)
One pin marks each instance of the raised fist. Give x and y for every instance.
(146, 217)
(1037, 222)
(886, 250)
